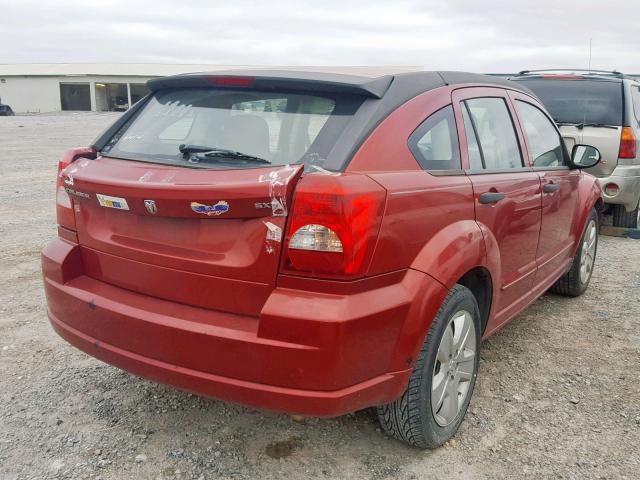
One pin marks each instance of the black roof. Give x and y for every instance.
(382, 95)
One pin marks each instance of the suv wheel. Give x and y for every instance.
(622, 218)
(431, 409)
(576, 280)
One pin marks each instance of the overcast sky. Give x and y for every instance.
(484, 36)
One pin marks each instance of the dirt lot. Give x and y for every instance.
(558, 394)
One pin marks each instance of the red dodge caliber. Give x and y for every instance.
(318, 243)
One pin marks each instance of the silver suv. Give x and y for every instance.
(602, 109)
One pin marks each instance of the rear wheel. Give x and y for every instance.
(576, 280)
(432, 407)
(622, 218)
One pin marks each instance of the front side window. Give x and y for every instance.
(544, 141)
(496, 134)
(435, 142)
(278, 127)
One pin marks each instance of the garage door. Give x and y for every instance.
(75, 96)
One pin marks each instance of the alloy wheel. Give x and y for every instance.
(454, 368)
(588, 256)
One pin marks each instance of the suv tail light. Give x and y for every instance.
(334, 225)
(628, 143)
(64, 203)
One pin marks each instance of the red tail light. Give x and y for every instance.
(334, 225)
(64, 203)
(628, 143)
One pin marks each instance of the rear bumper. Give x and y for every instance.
(306, 402)
(628, 179)
(313, 354)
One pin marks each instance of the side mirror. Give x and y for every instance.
(584, 156)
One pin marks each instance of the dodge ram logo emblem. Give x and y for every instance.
(152, 208)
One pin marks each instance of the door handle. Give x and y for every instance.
(491, 197)
(550, 188)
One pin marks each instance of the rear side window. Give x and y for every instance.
(435, 142)
(278, 127)
(580, 101)
(491, 122)
(543, 139)
(635, 96)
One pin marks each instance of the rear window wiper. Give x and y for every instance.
(195, 153)
(581, 125)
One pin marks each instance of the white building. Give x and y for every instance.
(38, 88)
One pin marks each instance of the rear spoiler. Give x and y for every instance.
(279, 80)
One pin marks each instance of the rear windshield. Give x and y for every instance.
(580, 101)
(278, 127)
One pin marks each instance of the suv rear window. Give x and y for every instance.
(279, 127)
(580, 101)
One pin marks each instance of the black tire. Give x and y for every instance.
(410, 418)
(571, 284)
(622, 218)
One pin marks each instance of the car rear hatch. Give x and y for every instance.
(210, 240)
(605, 139)
(588, 110)
(170, 209)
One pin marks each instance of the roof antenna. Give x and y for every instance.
(590, 43)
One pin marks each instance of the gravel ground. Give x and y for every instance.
(558, 394)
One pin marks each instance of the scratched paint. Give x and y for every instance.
(67, 175)
(146, 177)
(278, 180)
(323, 171)
(273, 237)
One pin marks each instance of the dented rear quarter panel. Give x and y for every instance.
(429, 221)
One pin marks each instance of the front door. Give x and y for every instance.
(507, 193)
(550, 161)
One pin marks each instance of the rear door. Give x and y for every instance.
(559, 187)
(204, 238)
(506, 191)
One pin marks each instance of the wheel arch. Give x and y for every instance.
(462, 253)
(478, 280)
(455, 250)
(590, 198)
